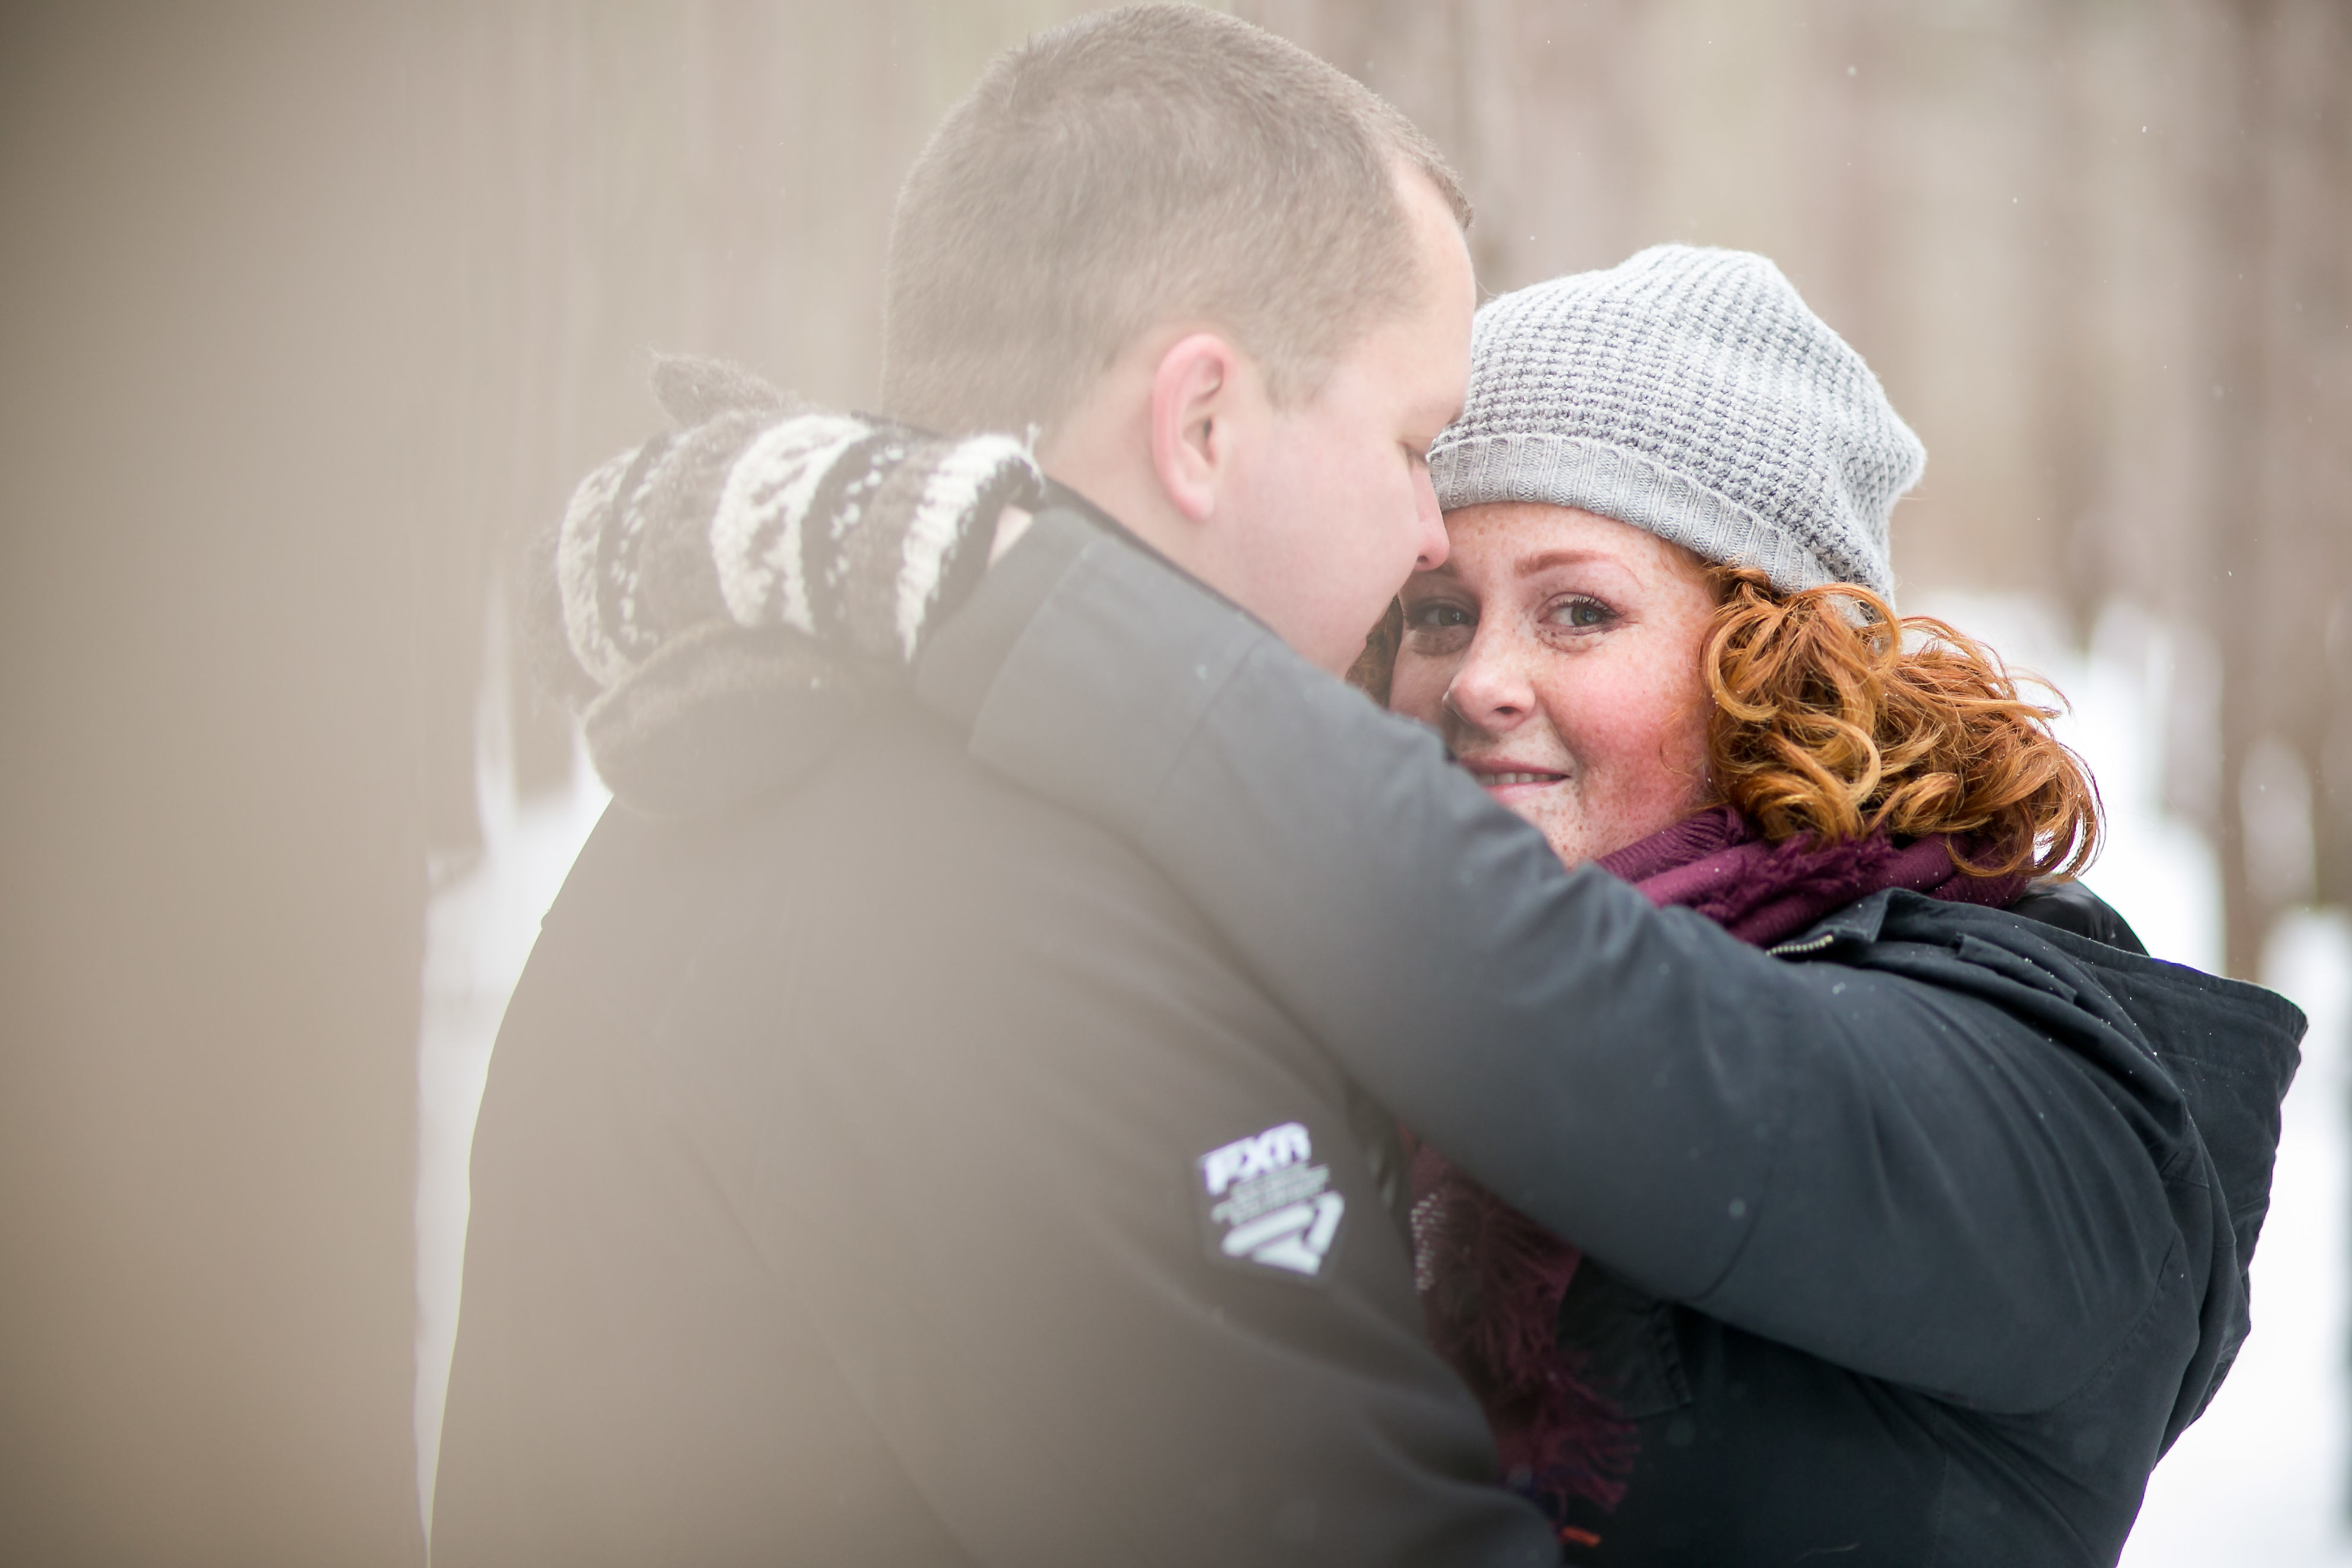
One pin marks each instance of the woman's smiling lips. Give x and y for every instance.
(1499, 775)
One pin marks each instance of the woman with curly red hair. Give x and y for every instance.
(1664, 636)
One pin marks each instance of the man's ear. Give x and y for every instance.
(1193, 392)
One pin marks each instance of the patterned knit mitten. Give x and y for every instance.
(720, 601)
(860, 533)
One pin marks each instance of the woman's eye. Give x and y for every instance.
(1580, 613)
(1437, 629)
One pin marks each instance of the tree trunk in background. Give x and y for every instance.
(2070, 421)
(2306, 439)
(2237, 254)
(2278, 512)
(2327, 428)
(1850, 199)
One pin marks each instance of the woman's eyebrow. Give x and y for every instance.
(1527, 566)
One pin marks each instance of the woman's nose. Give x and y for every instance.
(1490, 690)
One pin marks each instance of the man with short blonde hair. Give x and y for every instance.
(881, 1165)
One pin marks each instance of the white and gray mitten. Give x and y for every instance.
(764, 561)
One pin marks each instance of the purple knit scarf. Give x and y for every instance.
(1492, 1279)
(1718, 865)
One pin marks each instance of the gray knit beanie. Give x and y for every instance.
(1690, 393)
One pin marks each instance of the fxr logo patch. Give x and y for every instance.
(1265, 1204)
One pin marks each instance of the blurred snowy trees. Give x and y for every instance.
(311, 313)
(2101, 254)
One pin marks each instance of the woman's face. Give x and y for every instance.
(1558, 652)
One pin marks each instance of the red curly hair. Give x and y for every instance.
(1835, 719)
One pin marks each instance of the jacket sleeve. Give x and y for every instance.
(1907, 1180)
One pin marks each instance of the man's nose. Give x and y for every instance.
(1434, 545)
(1490, 690)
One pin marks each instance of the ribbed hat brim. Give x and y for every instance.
(1596, 476)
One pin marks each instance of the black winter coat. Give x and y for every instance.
(839, 1198)
(1953, 1208)
(1748, 1450)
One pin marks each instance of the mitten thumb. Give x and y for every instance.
(693, 390)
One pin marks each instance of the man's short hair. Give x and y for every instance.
(1153, 163)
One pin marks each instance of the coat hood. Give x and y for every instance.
(2205, 1061)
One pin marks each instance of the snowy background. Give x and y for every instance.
(2261, 1479)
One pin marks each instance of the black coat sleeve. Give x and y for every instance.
(1916, 1183)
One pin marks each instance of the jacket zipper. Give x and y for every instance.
(1791, 949)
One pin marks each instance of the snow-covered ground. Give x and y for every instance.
(2261, 1480)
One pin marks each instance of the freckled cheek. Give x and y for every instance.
(1669, 753)
(1631, 740)
(1417, 690)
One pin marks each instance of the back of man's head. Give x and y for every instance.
(1153, 163)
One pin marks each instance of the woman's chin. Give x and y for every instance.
(1552, 810)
